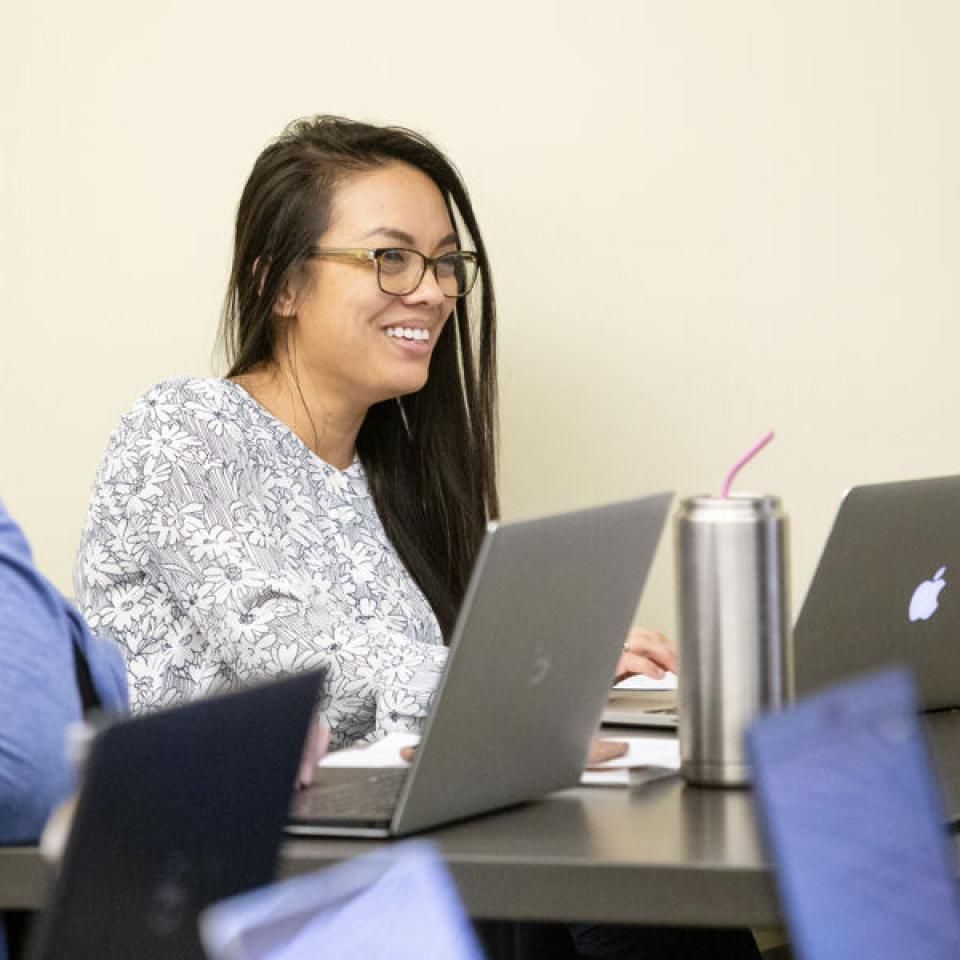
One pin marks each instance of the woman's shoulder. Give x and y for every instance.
(180, 414)
(189, 393)
(185, 402)
(184, 424)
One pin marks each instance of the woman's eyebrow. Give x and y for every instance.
(401, 236)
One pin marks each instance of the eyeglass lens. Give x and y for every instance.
(400, 272)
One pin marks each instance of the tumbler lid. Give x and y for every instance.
(735, 505)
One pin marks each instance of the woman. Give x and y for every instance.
(324, 503)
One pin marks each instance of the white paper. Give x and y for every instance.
(647, 758)
(645, 752)
(638, 682)
(624, 778)
(382, 753)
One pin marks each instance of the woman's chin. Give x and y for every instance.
(405, 389)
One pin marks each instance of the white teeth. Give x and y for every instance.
(408, 333)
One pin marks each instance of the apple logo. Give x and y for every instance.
(923, 603)
(541, 667)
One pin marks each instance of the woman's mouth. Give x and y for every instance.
(415, 334)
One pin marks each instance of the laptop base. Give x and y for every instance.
(654, 709)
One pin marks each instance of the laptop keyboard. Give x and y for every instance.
(373, 797)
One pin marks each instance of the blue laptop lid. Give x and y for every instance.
(396, 903)
(854, 825)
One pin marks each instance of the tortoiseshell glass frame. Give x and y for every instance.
(374, 256)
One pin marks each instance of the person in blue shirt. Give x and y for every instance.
(51, 668)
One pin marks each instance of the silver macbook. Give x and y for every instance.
(887, 591)
(531, 660)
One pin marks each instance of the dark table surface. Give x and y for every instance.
(661, 852)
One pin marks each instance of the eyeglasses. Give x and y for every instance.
(400, 271)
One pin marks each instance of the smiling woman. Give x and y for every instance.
(323, 503)
(345, 337)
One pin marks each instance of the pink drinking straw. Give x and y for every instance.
(742, 462)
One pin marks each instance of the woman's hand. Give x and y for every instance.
(647, 652)
(315, 746)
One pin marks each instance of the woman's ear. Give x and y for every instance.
(293, 288)
(286, 302)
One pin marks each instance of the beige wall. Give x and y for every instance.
(706, 219)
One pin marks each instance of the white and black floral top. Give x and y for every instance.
(218, 549)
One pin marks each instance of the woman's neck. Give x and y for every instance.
(322, 424)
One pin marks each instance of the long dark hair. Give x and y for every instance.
(430, 457)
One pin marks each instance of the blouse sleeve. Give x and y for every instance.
(197, 571)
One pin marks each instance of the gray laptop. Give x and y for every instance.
(531, 661)
(887, 592)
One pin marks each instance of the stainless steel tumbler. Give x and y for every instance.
(734, 639)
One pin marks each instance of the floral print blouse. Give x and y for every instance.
(219, 550)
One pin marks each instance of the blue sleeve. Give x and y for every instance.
(38, 691)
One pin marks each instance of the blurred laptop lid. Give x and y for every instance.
(177, 809)
(853, 824)
(531, 661)
(397, 903)
(884, 591)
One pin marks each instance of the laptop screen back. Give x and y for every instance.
(400, 903)
(887, 591)
(532, 659)
(853, 825)
(177, 809)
